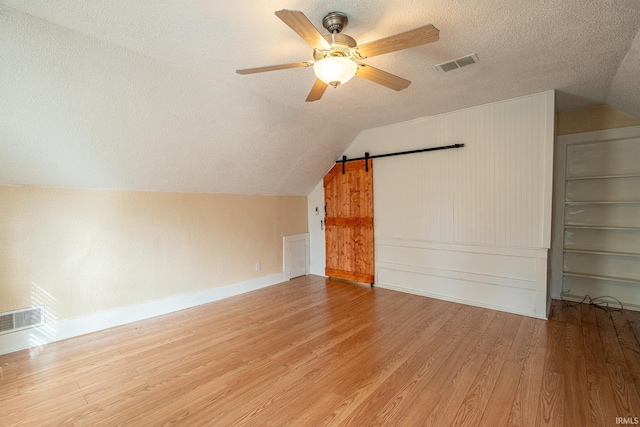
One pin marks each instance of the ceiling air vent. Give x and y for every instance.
(458, 63)
(12, 321)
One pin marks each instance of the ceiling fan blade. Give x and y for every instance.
(303, 27)
(382, 77)
(417, 37)
(275, 67)
(317, 90)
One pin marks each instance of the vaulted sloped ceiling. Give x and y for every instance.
(625, 86)
(144, 95)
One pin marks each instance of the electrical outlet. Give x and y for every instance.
(257, 266)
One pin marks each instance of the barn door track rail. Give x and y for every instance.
(399, 153)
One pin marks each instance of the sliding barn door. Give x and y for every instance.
(349, 222)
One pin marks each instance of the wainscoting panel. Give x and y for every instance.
(507, 279)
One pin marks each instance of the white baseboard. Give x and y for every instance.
(63, 329)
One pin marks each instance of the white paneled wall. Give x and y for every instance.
(469, 224)
(398, 213)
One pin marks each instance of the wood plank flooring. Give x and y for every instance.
(319, 352)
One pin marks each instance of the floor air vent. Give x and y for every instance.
(458, 63)
(12, 321)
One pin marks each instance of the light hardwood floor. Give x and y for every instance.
(318, 352)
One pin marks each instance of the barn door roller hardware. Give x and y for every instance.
(400, 153)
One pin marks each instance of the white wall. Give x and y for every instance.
(471, 224)
(316, 230)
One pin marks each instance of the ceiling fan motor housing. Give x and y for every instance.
(335, 22)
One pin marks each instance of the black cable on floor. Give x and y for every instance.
(593, 301)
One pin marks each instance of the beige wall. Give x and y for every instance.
(87, 251)
(590, 119)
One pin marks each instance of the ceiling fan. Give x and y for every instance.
(337, 56)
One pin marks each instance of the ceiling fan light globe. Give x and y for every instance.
(335, 70)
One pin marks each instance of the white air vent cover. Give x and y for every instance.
(12, 321)
(458, 63)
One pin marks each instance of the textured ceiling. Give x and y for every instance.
(144, 95)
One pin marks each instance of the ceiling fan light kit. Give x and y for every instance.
(337, 56)
(335, 70)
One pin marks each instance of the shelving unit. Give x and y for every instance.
(596, 227)
(594, 276)
(601, 245)
(575, 178)
(623, 202)
(583, 251)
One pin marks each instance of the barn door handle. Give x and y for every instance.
(325, 209)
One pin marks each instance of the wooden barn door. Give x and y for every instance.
(349, 222)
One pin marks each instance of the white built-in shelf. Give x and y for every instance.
(583, 251)
(573, 178)
(598, 227)
(595, 276)
(598, 202)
